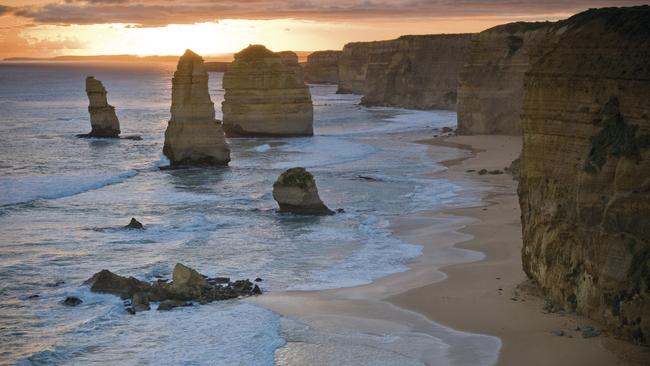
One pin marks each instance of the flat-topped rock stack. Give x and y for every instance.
(585, 168)
(265, 95)
(322, 67)
(103, 120)
(490, 94)
(193, 136)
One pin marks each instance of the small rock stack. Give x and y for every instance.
(296, 192)
(103, 121)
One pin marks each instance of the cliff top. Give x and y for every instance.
(255, 52)
(190, 55)
(516, 27)
(632, 22)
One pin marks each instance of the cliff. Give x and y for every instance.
(491, 86)
(265, 95)
(421, 73)
(193, 135)
(585, 170)
(103, 121)
(322, 67)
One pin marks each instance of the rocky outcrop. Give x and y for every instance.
(193, 136)
(187, 285)
(134, 224)
(296, 192)
(265, 95)
(322, 67)
(491, 86)
(103, 121)
(585, 168)
(421, 73)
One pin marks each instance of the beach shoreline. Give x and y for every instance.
(477, 287)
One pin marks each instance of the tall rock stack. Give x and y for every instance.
(103, 121)
(193, 135)
(490, 94)
(422, 72)
(322, 67)
(585, 170)
(265, 95)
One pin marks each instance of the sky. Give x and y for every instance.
(45, 28)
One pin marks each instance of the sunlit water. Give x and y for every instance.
(63, 199)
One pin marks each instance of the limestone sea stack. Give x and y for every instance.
(296, 192)
(585, 169)
(421, 73)
(103, 121)
(322, 67)
(491, 86)
(265, 95)
(193, 136)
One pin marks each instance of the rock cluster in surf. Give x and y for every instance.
(265, 95)
(193, 136)
(103, 120)
(187, 286)
(295, 191)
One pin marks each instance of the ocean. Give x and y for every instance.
(63, 200)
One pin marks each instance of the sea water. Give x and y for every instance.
(63, 200)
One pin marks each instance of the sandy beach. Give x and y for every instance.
(483, 290)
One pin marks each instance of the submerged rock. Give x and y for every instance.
(188, 285)
(72, 301)
(193, 136)
(103, 121)
(265, 95)
(296, 192)
(134, 224)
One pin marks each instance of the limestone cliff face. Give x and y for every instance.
(193, 136)
(585, 173)
(103, 121)
(323, 67)
(490, 94)
(421, 73)
(266, 95)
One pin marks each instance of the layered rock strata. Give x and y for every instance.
(421, 72)
(491, 86)
(585, 168)
(193, 135)
(265, 95)
(322, 67)
(295, 191)
(103, 120)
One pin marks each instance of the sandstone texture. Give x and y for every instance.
(491, 86)
(265, 95)
(193, 135)
(296, 192)
(322, 67)
(103, 121)
(421, 72)
(585, 168)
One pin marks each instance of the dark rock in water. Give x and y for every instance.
(35, 296)
(482, 172)
(140, 302)
(130, 310)
(170, 304)
(258, 279)
(187, 285)
(340, 210)
(495, 172)
(447, 129)
(296, 192)
(134, 224)
(108, 282)
(132, 137)
(55, 284)
(370, 179)
(72, 301)
(514, 168)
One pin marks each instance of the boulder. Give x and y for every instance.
(171, 304)
(265, 95)
(140, 302)
(193, 136)
(72, 301)
(296, 192)
(103, 121)
(134, 224)
(106, 281)
(184, 276)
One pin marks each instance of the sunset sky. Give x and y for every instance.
(42, 28)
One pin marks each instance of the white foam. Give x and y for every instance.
(18, 189)
(262, 148)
